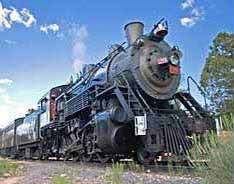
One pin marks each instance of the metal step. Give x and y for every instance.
(191, 104)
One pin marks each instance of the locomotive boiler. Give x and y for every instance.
(125, 106)
(148, 61)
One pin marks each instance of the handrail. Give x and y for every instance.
(199, 88)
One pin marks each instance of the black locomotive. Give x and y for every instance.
(125, 106)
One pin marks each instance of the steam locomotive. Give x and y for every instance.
(127, 105)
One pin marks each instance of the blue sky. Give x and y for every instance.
(42, 43)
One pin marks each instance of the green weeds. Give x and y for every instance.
(8, 168)
(60, 180)
(218, 152)
(116, 174)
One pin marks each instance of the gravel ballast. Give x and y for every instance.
(43, 172)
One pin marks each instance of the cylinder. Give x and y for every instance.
(133, 31)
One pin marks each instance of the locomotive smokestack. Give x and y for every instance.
(133, 31)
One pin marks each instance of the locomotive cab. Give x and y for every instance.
(47, 105)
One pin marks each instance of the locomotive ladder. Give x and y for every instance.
(136, 101)
(191, 104)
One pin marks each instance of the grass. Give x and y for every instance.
(116, 174)
(8, 167)
(219, 151)
(133, 166)
(221, 163)
(60, 180)
(222, 156)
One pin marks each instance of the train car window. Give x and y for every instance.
(44, 104)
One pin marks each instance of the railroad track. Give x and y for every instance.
(159, 167)
(129, 164)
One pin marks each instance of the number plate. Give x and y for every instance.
(140, 125)
(174, 69)
(162, 61)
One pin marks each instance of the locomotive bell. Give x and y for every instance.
(133, 31)
(160, 30)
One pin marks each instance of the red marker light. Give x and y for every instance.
(174, 69)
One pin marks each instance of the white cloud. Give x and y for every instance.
(10, 109)
(6, 99)
(10, 16)
(15, 16)
(79, 48)
(6, 81)
(187, 4)
(10, 42)
(2, 90)
(188, 21)
(29, 18)
(196, 13)
(4, 23)
(52, 27)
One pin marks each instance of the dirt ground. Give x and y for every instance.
(42, 172)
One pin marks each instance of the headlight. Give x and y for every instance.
(175, 60)
(176, 55)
